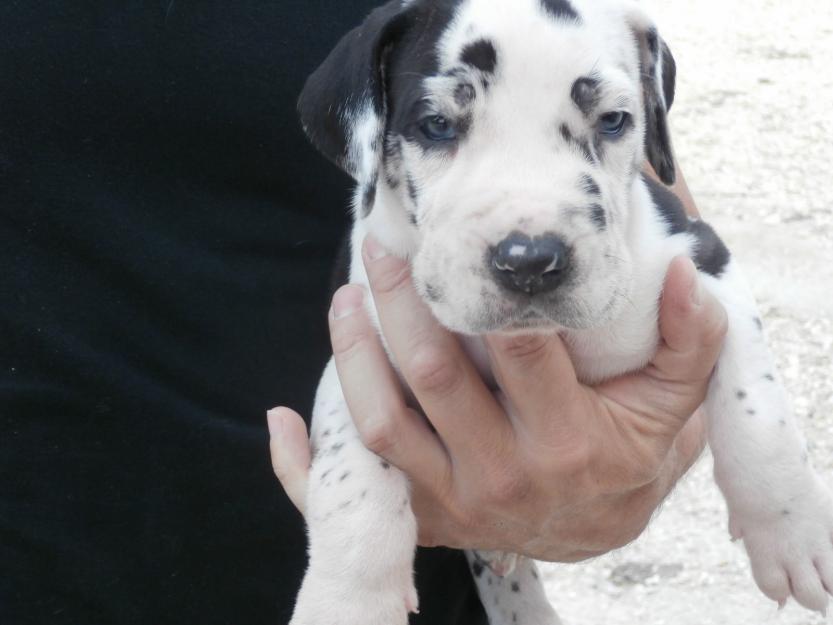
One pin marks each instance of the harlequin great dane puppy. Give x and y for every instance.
(498, 145)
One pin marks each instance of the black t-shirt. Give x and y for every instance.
(166, 238)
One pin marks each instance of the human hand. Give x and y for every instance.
(573, 472)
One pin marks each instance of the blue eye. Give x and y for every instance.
(437, 128)
(612, 124)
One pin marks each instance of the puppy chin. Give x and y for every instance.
(486, 319)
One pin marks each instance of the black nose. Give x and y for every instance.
(530, 265)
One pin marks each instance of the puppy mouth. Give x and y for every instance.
(531, 321)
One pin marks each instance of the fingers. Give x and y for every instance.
(692, 324)
(651, 407)
(387, 426)
(442, 377)
(289, 447)
(537, 375)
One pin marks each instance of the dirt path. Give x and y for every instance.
(753, 127)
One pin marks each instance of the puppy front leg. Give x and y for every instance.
(514, 598)
(777, 503)
(362, 532)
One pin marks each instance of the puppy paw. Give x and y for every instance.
(791, 548)
(325, 600)
(499, 562)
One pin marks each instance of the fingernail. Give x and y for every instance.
(346, 301)
(275, 422)
(374, 249)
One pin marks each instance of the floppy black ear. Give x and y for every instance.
(342, 105)
(658, 72)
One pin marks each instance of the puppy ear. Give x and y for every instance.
(658, 72)
(342, 105)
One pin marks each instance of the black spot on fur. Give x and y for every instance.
(344, 476)
(785, 512)
(516, 587)
(385, 465)
(751, 412)
(741, 394)
(589, 185)
(412, 218)
(480, 54)
(514, 617)
(477, 569)
(758, 323)
(534, 573)
(560, 9)
(597, 216)
(350, 77)
(769, 377)
(652, 39)
(325, 433)
(657, 99)
(585, 94)
(669, 75)
(464, 94)
(434, 293)
(412, 190)
(710, 254)
(668, 205)
(392, 160)
(407, 65)
(369, 197)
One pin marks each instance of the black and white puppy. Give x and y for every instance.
(498, 145)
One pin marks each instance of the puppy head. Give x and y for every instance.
(496, 143)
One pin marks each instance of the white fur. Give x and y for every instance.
(514, 172)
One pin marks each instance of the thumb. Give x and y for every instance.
(692, 324)
(290, 450)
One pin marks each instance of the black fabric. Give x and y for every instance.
(166, 237)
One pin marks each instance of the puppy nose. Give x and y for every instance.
(530, 264)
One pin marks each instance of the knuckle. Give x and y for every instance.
(391, 277)
(625, 533)
(645, 472)
(527, 351)
(379, 435)
(573, 460)
(507, 487)
(431, 370)
(347, 341)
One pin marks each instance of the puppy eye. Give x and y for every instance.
(437, 128)
(613, 123)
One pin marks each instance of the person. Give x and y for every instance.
(168, 234)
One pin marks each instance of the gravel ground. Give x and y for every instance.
(753, 129)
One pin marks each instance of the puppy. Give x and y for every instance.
(498, 145)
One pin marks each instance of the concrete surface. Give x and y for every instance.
(753, 128)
